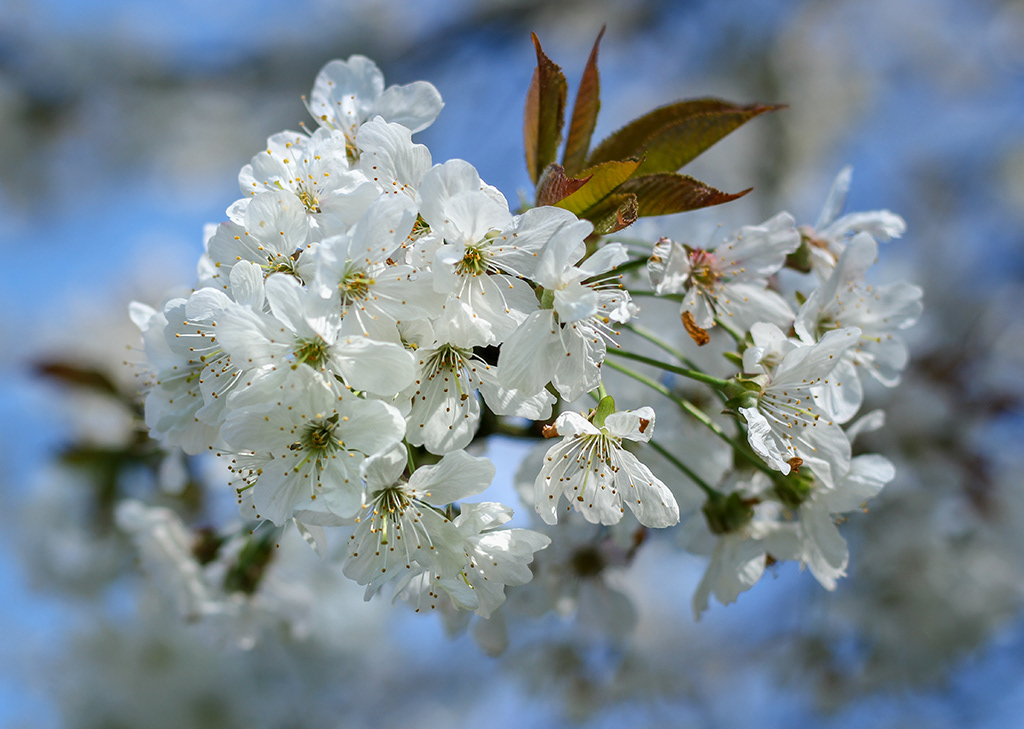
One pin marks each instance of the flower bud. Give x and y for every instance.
(744, 392)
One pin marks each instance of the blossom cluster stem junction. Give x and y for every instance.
(694, 411)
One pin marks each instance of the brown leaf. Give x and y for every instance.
(584, 114)
(554, 185)
(71, 374)
(544, 115)
(673, 135)
(697, 334)
(664, 193)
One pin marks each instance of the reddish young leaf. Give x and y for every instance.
(673, 135)
(544, 114)
(665, 193)
(554, 185)
(584, 114)
(601, 182)
(613, 214)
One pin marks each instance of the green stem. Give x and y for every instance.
(736, 335)
(617, 271)
(697, 413)
(701, 483)
(662, 344)
(659, 343)
(716, 382)
(630, 265)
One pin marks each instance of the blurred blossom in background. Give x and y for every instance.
(124, 126)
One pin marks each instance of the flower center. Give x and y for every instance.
(282, 264)
(318, 437)
(594, 448)
(449, 357)
(390, 505)
(355, 286)
(474, 262)
(312, 351)
(419, 229)
(825, 324)
(309, 200)
(453, 359)
(702, 269)
(392, 501)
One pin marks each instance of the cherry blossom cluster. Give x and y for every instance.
(363, 310)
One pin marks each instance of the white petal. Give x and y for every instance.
(383, 368)
(759, 435)
(635, 425)
(456, 476)
(414, 105)
(247, 284)
(836, 198)
(826, 552)
(646, 496)
(529, 354)
(383, 469)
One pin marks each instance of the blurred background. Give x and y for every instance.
(124, 124)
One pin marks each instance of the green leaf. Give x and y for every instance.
(665, 193)
(601, 182)
(613, 214)
(555, 186)
(545, 113)
(584, 114)
(673, 135)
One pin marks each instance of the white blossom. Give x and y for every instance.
(389, 158)
(316, 170)
(729, 281)
(496, 558)
(566, 344)
(880, 312)
(404, 523)
(481, 253)
(823, 548)
(348, 93)
(598, 477)
(828, 238)
(371, 292)
(300, 447)
(271, 230)
(788, 421)
(445, 410)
